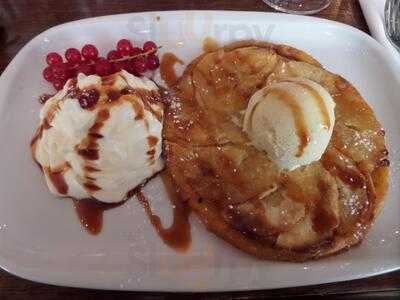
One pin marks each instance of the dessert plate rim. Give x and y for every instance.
(18, 265)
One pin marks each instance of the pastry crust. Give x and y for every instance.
(238, 192)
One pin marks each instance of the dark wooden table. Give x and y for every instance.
(21, 20)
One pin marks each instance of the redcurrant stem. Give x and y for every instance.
(137, 55)
(126, 57)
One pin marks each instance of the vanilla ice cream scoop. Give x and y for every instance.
(102, 150)
(291, 120)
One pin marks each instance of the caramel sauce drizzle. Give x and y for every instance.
(178, 235)
(298, 116)
(320, 103)
(139, 110)
(89, 149)
(149, 97)
(38, 135)
(335, 162)
(58, 180)
(152, 141)
(90, 213)
(56, 176)
(44, 126)
(167, 71)
(113, 95)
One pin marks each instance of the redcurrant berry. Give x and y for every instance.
(149, 45)
(152, 62)
(120, 65)
(85, 69)
(53, 58)
(58, 84)
(88, 98)
(73, 55)
(48, 74)
(139, 65)
(60, 71)
(124, 47)
(113, 55)
(90, 52)
(135, 51)
(103, 67)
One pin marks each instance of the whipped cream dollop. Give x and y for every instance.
(105, 151)
(291, 120)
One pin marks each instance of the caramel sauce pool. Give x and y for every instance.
(167, 70)
(90, 213)
(178, 235)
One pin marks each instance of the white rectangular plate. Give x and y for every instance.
(40, 236)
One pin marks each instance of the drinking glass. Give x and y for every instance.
(301, 7)
(392, 22)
